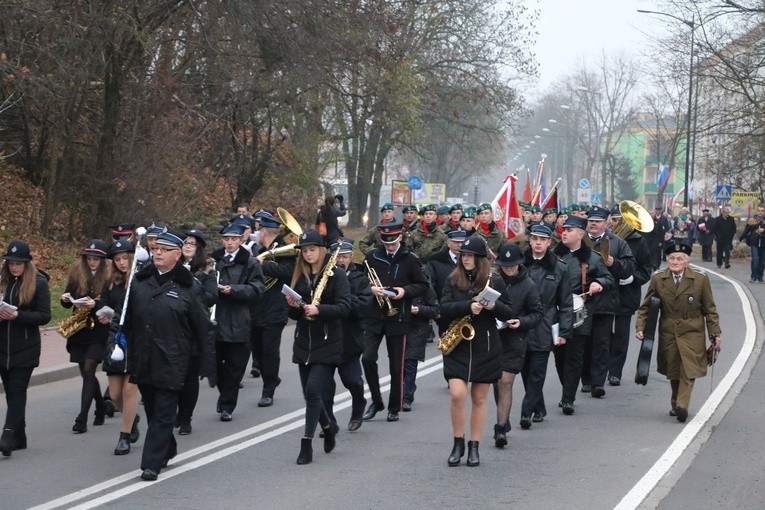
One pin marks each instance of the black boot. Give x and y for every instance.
(458, 450)
(329, 437)
(7, 442)
(473, 458)
(100, 415)
(80, 424)
(21, 439)
(306, 451)
(123, 445)
(134, 432)
(500, 435)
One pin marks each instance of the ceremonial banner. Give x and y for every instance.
(507, 214)
(400, 193)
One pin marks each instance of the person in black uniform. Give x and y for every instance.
(317, 359)
(239, 287)
(551, 278)
(424, 308)
(26, 288)
(401, 274)
(349, 368)
(270, 314)
(724, 230)
(588, 276)
(441, 265)
(704, 234)
(164, 317)
(478, 362)
(86, 347)
(621, 264)
(526, 313)
(656, 237)
(629, 302)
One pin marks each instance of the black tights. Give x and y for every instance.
(90, 389)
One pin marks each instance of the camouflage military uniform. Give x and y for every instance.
(494, 238)
(427, 244)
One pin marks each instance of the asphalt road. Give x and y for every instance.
(597, 458)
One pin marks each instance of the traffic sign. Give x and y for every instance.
(584, 183)
(582, 195)
(724, 192)
(415, 182)
(597, 198)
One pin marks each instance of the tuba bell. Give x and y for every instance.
(290, 229)
(634, 217)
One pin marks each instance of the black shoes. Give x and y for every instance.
(149, 475)
(266, 402)
(727, 265)
(614, 381)
(372, 410)
(329, 437)
(255, 372)
(80, 426)
(597, 391)
(7, 442)
(682, 414)
(392, 416)
(538, 417)
(500, 435)
(109, 408)
(473, 459)
(355, 424)
(226, 416)
(356, 416)
(458, 450)
(525, 422)
(184, 429)
(406, 407)
(306, 451)
(123, 445)
(568, 408)
(673, 412)
(586, 388)
(335, 429)
(134, 432)
(100, 418)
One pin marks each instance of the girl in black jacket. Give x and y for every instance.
(24, 287)
(477, 361)
(86, 347)
(318, 334)
(122, 392)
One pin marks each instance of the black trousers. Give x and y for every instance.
(620, 342)
(656, 252)
(266, 343)
(396, 347)
(533, 373)
(410, 379)
(350, 376)
(706, 252)
(723, 253)
(16, 382)
(316, 379)
(596, 346)
(232, 362)
(160, 405)
(568, 363)
(190, 391)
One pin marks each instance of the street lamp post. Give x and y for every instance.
(692, 25)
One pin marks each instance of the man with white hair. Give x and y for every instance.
(687, 311)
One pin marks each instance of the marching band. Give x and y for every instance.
(570, 286)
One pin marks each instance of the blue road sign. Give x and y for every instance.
(596, 198)
(584, 183)
(415, 182)
(724, 192)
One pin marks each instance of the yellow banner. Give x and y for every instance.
(743, 203)
(430, 193)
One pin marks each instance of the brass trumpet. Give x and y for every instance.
(382, 301)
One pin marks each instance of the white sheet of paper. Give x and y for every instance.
(555, 333)
(288, 291)
(7, 306)
(487, 296)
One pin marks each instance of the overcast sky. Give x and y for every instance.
(570, 29)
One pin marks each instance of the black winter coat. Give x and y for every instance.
(20, 337)
(629, 294)
(477, 360)
(438, 269)
(114, 298)
(724, 230)
(162, 323)
(330, 215)
(704, 231)
(272, 308)
(321, 340)
(404, 271)
(595, 271)
(750, 235)
(420, 327)
(233, 312)
(607, 302)
(353, 325)
(523, 295)
(552, 281)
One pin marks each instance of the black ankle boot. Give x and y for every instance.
(329, 437)
(473, 458)
(134, 432)
(7, 442)
(500, 435)
(100, 415)
(123, 445)
(458, 450)
(80, 424)
(306, 451)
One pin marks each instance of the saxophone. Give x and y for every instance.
(459, 329)
(78, 321)
(329, 270)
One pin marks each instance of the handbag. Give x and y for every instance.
(321, 225)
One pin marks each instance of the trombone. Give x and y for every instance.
(383, 301)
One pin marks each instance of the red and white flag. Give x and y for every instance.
(507, 214)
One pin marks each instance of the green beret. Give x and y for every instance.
(444, 209)
(455, 207)
(387, 207)
(551, 210)
(484, 207)
(410, 207)
(573, 207)
(527, 207)
(468, 212)
(536, 209)
(427, 207)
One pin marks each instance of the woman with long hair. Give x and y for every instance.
(123, 393)
(477, 362)
(203, 269)
(330, 214)
(87, 277)
(25, 290)
(318, 335)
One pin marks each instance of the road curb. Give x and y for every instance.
(52, 374)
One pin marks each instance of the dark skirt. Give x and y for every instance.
(513, 352)
(78, 353)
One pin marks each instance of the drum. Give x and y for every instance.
(580, 312)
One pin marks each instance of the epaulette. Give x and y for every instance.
(697, 270)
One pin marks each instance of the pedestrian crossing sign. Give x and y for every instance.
(724, 192)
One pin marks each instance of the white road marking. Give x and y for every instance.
(294, 418)
(651, 479)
